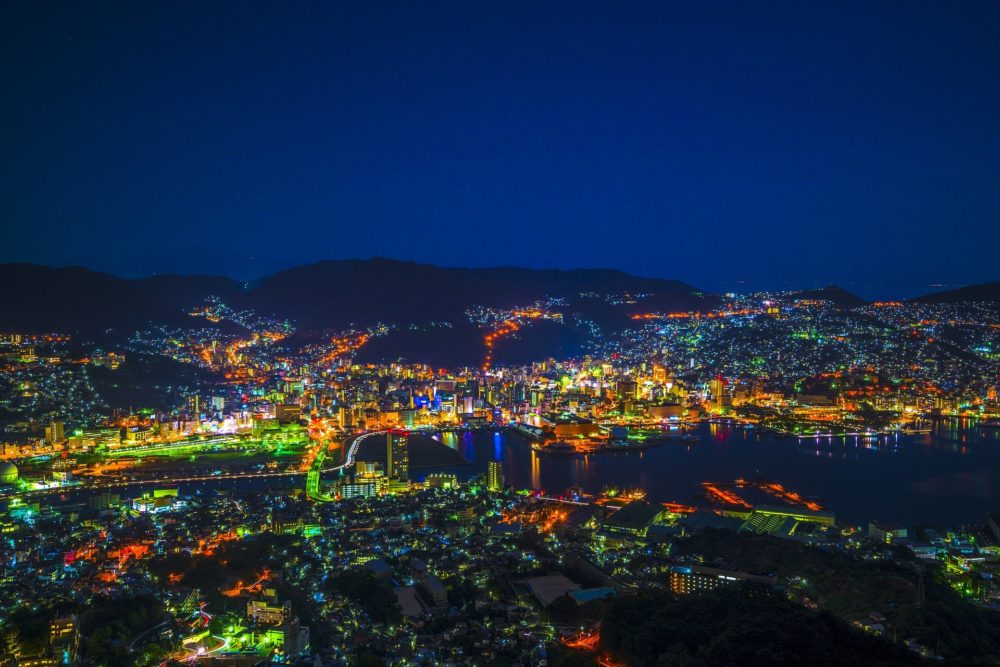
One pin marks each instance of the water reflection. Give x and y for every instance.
(907, 478)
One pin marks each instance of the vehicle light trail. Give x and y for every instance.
(343, 345)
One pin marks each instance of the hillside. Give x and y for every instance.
(832, 293)
(725, 628)
(984, 292)
(76, 300)
(330, 294)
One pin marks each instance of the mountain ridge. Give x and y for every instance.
(833, 293)
(321, 295)
(978, 292)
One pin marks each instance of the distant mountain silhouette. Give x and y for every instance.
(76, 300)
(984, 292)
(332, 295)
(834, 294)
(365, 291)
(329, 294)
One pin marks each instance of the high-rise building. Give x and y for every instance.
(627, 389)
(55, 432)
(494, 476)
(397, 456)
(287, 413)
(686, 579)
(268, 611)
(718, 388)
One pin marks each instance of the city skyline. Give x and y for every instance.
(564, 334)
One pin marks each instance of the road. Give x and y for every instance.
(142, 635)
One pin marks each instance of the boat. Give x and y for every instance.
(993, 423)
(558, 447)
(624, 445)
(527, 430)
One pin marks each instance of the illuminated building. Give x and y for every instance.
(286, 414)
(627, 389)
(137, 434)
(62, 646)
(441, 481)
(885, 532)
(783, 520)
(62, 471)
(567, 425)
(686, 579)
(152, 504)
(718, 389)
(632, 522)
(8, 473)
(397, 456)
(359, 489)
(294, 639)
(494, 476)
(369, 481)
(268, 611)
(435, 591)
(665, 411)
(55, 432)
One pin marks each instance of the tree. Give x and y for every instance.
(728, 627)
(371, 593)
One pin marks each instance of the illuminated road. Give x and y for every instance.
(142, 635)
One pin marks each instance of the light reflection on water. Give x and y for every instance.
(949, 476)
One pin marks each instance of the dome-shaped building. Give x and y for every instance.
(8, 473)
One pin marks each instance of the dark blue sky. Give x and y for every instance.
(781, 144)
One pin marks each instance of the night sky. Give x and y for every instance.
(764, 145)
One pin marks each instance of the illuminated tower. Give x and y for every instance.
(397, 456)
(494, 476)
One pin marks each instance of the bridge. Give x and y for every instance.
(313, 490)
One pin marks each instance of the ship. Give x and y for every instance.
(558, 447)
(527, 430)
(624, 445)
